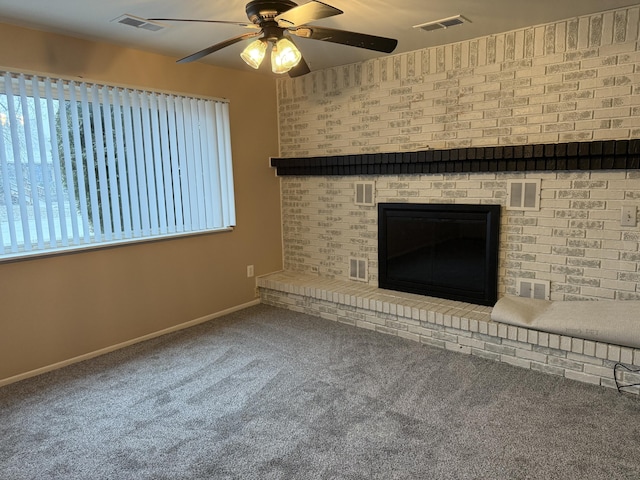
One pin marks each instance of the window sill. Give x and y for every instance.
(32, 255)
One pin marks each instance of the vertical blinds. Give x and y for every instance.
(84, 164)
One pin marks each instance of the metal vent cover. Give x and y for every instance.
(137, 22)
(365, 193)
(443, 23)
(358, 269)
(523, 194)
(538, 289)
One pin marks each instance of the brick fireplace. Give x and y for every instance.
(557, 104)
(554, 103)
(574, 241)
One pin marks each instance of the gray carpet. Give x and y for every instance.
(270, 394)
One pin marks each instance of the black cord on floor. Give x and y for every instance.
(619, 385)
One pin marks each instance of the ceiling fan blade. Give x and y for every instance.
(301, 69)
(309, 12)
(360, 40)
(240, 24)
(218, 46)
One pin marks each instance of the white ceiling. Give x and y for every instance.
(91, 19)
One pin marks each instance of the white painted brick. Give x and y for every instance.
(565, 343)
(472, 342)
(577, 345)
(502, 330)
(483, 327)
(464, 324)
(602, 350)
(626, 355)
(582, 377)
(516, 361)
(531, 355)
(584, 359)
(431, 317)
(548, 369)
(613, 353)
(366, 325)
(329, 316)
(543, 339)
(522, 334)
(604, 372)
(609, 383)
(455, 347)
(512, 346)
(589, 348)
(421, 331)
(409, 335)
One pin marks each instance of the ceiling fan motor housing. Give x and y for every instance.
(261, 11)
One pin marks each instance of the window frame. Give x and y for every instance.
(164, 142)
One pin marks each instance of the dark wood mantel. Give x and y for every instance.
(596, 155)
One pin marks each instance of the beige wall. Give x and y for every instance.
(56, 308)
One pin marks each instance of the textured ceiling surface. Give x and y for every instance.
(92, 19)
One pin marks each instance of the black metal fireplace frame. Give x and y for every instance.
(485, 290)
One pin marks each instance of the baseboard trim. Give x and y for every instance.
(113, 348)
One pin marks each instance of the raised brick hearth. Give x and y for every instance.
(448, 324)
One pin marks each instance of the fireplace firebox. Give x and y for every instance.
(440, 250)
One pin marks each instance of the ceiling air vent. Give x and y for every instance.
(443, 23)
(138, 22)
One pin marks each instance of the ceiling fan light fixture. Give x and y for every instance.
(284, 56)
(275, 22)
(254, 53)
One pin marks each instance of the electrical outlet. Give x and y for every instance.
(249, 271)
(628, 216)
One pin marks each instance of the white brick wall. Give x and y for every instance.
(575, 80)
(575, 241)
(570, 81)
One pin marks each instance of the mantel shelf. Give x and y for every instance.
(596, 155)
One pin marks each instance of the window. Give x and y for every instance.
(84, 164)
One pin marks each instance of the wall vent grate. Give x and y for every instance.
(365, 193)
(523, 194)
(538, 289)
(358, 269)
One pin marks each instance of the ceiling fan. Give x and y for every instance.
(275, 22)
